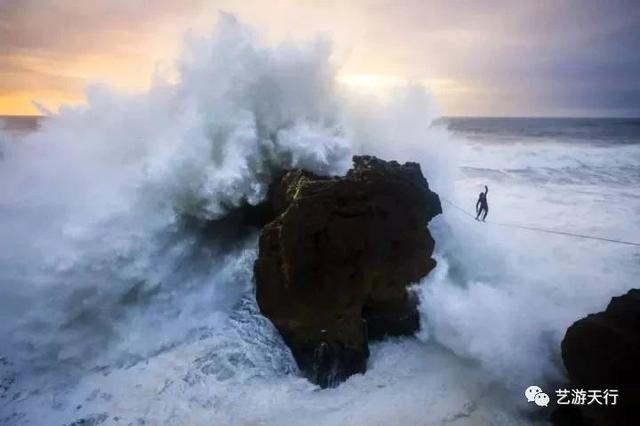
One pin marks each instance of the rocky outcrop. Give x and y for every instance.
(334, 265)
(602, 351)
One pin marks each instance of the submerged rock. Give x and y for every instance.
(335, 263)
(602, 352)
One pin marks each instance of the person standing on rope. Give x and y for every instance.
(482, 207)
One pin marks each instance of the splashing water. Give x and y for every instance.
(113, 310)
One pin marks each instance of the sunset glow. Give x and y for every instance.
(522, 58)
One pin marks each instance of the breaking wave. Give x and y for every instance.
(113, 306)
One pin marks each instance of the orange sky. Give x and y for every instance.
(478, 58)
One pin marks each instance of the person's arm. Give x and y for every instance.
(486, 190)
(478, 205)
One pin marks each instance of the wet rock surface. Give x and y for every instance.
(602, 352)
(335, 264)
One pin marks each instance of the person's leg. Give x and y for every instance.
(486, 211)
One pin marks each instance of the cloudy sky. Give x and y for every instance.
(502, 57)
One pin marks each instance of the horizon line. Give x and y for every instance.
(564, 117)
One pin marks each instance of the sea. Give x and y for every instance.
(113, 313)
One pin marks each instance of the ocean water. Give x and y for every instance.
(113, 312)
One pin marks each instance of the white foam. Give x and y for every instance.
(110, 306)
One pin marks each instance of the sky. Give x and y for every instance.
(478, 58)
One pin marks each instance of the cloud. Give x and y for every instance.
(498, 57)
(50, 49)
(73, 26)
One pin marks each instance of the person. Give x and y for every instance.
(482, 207)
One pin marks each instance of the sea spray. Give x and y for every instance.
(94, 252)
(114, 178)
(111, 306)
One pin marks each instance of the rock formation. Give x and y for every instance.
(602, 351)
(335, 263)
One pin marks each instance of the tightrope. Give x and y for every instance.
(548, 231)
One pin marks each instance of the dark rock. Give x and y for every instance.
(236, 224)
(334, 265)
(602, 351)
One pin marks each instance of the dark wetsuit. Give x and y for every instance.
(482, 207)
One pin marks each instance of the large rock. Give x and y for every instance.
(334, 265)
(602, 351)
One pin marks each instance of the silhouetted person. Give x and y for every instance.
(482, 208)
